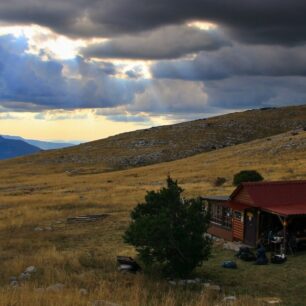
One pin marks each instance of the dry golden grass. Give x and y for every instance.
(83, 256)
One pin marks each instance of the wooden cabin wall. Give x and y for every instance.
(243, 197)
(238, 226)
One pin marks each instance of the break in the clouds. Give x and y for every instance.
(29, 83)
(132, 60)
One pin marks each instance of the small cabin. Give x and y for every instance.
(256, 208)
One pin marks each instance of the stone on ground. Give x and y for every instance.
(56, 287)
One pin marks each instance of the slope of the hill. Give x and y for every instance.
(10, 148)
(177, 141)
(35, 201)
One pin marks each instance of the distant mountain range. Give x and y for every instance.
(10, 148)
(44, 145)
(15, 146)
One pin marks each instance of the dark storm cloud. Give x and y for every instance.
(198, 99)
(270, 21)
(166, 42)
(28, 83)
(238, 60)
(129, 118)
(256, 92)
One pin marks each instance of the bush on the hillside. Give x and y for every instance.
(219, 181)
(169, 230)
(247, 176)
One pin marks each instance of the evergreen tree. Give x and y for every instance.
(170, 230)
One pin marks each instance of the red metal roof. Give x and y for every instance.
(284, 197)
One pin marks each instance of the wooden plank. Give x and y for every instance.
(86, 218)
(238, 229)
(243, 197)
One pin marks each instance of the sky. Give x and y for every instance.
(87, 69)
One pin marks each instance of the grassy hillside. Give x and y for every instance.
(173, 142)
(35, 194)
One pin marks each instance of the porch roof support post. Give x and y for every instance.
(284, 223)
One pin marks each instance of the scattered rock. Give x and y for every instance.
(14, 284)
(30, 270)
(193, 281)
(24, 276)
(183, 282)
(83, 291)
(13, 278)
(104, 303)
(270, 300)
(49, 228)
(229, 299)
(38, 229)
(216, 288)
(56, 287)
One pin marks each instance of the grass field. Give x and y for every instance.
(42, 195)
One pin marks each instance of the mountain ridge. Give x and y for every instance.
(11, 148)
(44, 145)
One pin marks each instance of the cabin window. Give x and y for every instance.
(238, 215)
(221, 215)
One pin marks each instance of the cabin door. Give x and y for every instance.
(250, 227)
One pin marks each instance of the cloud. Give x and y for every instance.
(255, 92)
(238, 60)
(61, 115)
(166, 42)
(8, 116)
(29, 83)
(269, 22)
(179, 100)
(170, 96)
(129, 118)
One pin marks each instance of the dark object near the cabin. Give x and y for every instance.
(245, 254)
(87, 218)
(219, 181)
(278, 259)
(229, 264)
(247, 176)
(126, 263)
(261, 257)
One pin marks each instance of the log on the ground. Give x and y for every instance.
(86, 218)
